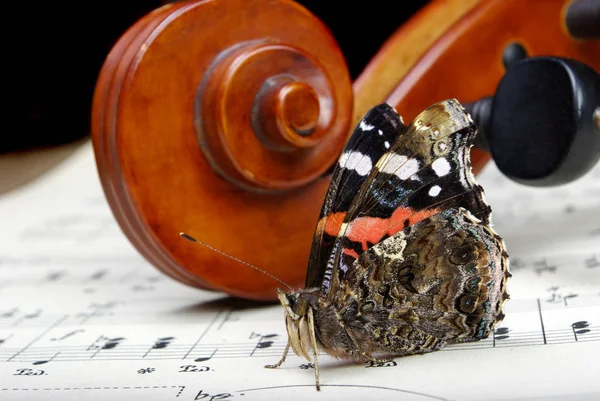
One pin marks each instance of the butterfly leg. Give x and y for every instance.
(285, 352)
(313, 339)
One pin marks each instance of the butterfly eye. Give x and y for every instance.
(291, 299)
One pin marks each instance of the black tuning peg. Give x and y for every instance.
(582, 19)
(542, 126)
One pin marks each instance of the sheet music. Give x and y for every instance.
(84, 317)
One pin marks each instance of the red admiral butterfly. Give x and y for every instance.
(404, 259)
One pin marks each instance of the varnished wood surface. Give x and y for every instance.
(219, 118)
(156, 174)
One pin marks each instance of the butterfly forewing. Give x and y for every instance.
(373, 136)
(426, 170)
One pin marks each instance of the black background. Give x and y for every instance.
(54, 51)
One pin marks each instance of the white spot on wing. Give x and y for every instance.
(391, 248)
(380, 132)
(356, 161)
(365, 127)
(441, 166)
(435, 190)
(400, 166)
(386, 144)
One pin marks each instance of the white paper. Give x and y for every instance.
(84, 317)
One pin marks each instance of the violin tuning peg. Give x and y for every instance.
(542, 126)
(582, 19)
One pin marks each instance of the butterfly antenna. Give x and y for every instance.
(192, 239)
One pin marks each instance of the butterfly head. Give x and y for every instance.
(290, 303)
(299, 320)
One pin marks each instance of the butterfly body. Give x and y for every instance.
(404, 258)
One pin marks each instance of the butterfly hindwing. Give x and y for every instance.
(372, 137)
(425, 171)
(440, 280)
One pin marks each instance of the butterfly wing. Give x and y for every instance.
(440, 280)
(372, 137)
(425, 171)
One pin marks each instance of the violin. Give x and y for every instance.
(223, 118)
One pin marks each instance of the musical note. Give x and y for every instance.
(3, 340)
(592, 262)
(55, 276)
(112, 343)
(96, 309)
(98, 275)
(569, 296)
(69, 334)
(543, 266)
(557, 297)
(500, 333)
(33, 315)
(10, 313)
(142, 288)
(162, 342)
(517, 264)
(27, 316)
(44, 361)
(580, 328)
(204, 359)
(262, 344)
(104, 343)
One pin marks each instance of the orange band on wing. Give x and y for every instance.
(370, 230)
(333, 222)
(350, 252)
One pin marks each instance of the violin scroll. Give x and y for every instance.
(218, 118)
(269, 116)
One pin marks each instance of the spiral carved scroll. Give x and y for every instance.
(218, 118)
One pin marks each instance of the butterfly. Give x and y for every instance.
(404, 259)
